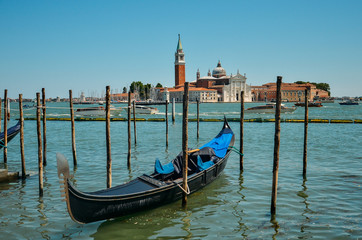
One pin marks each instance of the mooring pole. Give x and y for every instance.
(23, 172)
(129, 131)
(173, 110)
(44, 129)
(74, 150)
(242, 131)
(185, 142)
(166, 115)
(134, 122)
(40, 152)
(108, 138)
(198, 118)
(5, 126)
(305, 134)
(276, 148)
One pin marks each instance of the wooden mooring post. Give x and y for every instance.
(74, 150)
(173, 110)
(108, 137)
(23, 171)
(134, 123)
(129, 131)
(185, 142)
(241, 131)
(40, 152)
(44, 128)
(276, 149)
(305, 133)
(198, 118)
(5, 126)
(166, 115)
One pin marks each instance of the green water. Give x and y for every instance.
(327, 205)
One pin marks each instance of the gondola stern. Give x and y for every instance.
(63, 174)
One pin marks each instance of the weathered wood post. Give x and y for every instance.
(166, 115)
(40, 152)
(173, 110)
(74, 150)
(44, 129)
(198, 118)
(134, 122)
(276, 148)
(5, 126)
(242, 131)
(23, 171)
(108, 138)
(185, 142)
(129, 131)
(305, 134)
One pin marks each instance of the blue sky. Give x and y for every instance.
(86, 45)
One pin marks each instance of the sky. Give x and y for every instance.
(85, 45)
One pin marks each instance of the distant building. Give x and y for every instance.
(216, 88)
(122, 97)
(229, 87)
(291, 92)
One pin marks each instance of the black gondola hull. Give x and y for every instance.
(11, 133)
(142, 193)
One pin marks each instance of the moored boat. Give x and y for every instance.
(269, 108)
(148, 191)
(97, 111)
(310, 104)
(143, 109)
(11, 133)
(348, 102)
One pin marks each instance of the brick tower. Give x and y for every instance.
(179, 64)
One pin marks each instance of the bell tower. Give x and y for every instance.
(179, 64)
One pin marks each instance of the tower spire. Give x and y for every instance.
(179, 45)
(179, 64)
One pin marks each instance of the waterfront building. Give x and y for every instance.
(218, 87)
(228, 87)
(290, 92)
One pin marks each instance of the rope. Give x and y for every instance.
(2, 144)
(188, 189)
(234, 149)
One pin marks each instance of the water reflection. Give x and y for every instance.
(303, 194)
(239, 212)
(275, 225)
(187, 224)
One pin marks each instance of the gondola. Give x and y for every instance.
(148, 191)
(11, 134)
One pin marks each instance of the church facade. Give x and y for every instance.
(215, 87)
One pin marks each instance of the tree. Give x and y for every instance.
(124, 90)
(159, 85)
(321, 86)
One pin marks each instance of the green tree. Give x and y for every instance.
(159, 85)
(124, 90)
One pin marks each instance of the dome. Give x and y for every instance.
(218, 71)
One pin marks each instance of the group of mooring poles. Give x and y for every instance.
(276, 142)
(41, 142)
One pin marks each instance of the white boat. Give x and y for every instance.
(97, 111)
(269, 108)
(143, 109)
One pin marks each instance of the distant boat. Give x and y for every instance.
(143, 110)
(310, 104)
(348, 102)
(11, 133)
(96, 111)
(269, 108)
